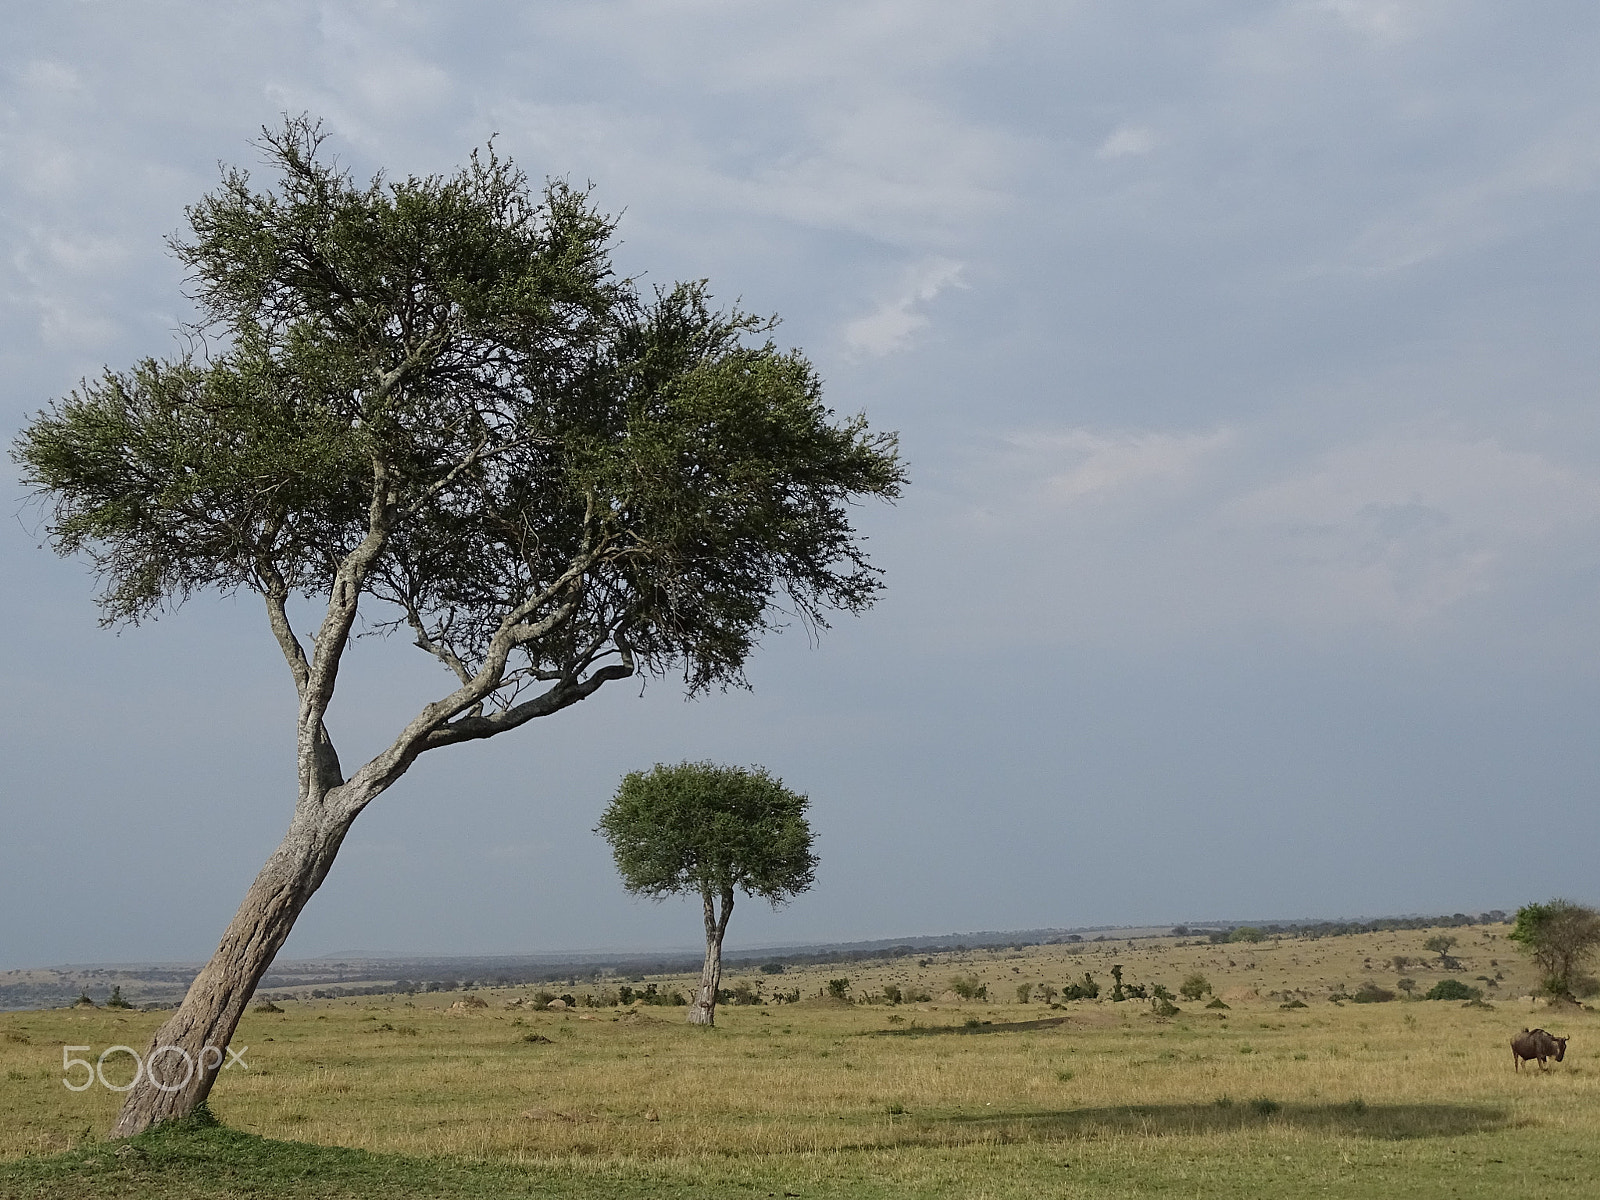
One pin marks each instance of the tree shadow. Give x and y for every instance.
(1392, 1122)
(973, 1026)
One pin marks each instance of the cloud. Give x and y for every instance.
(1078, 464)
(890, 326)
(1172, 533)
(1128, 141)
(1401, 528)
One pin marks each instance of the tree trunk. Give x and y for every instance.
(704, 1009)
(187, 1052)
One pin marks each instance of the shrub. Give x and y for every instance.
(1047, 994)
(116, 1000)
(1453, 989)
(1264, 1106)
(892, 994)
(1216, 1002)
(1371, 993)
(1194, 987)
(1084, 989)
(1164, 1007)
(1247, 933)
(1024, 993)
(772, 968)
(968, 987)
(839, 989)
(743, 992)
(1407, 985)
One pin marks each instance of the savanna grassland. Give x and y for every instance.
(407, 1096)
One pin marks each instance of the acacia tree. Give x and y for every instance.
(712, 830)
(431, 405)
(1561, 937)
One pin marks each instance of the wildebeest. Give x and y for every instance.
(1536, 1043)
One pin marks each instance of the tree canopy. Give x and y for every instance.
(442, 383)
(699, 827)
(1561, 937)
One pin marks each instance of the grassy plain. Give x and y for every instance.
(404, 1096)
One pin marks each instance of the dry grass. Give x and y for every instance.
(1222, 1102)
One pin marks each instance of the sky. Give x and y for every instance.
(1244, 360)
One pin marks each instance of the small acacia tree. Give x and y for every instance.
(431, 406)
(1561, 937)
(700, 828)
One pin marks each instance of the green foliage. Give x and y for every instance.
(743, 992)
(1406, 985)
(1194, 987)
(709, 829)
(1118, 992)
(1441, 944)
(1371, 993)
(1561, 937)
(1217, 1002)
(1024, 993)
(968, 987)
(892, 994)
(1083, 989)
(437, 391)
(1453, 989)
(839, 989)
(115, 1000)
(1246, 933)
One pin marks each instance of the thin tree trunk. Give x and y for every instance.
(704, 1009)
(188, 1051)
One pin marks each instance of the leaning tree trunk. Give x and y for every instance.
(704, 1009)
(187, 1052)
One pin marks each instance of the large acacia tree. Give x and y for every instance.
(705, 830)
(1561, 937)
(432, 407)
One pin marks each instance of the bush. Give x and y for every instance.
(1194, 987)
(892, 994)
(1371, 993)
(1453, 989)
(1047, 994)
(1216, 1002)
(116, 1000)
(839, 989)
(743, 992)
(968, 987)
(1407, 985)
(1024, 993)
(1085, 989)
(1163, 1007)
(1247, 933)
(772, 968)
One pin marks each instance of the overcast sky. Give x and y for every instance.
(1244, 356)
